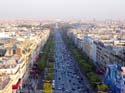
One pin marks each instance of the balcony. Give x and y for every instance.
(4, 80)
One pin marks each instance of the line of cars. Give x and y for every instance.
(68, 78)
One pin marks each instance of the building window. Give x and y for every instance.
(14, 51)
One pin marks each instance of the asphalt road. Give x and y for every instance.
(67, 75)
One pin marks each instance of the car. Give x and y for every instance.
(59, 88)
(78, 87)
(74, 83)
(63, 89)
(53, 84)
(78, 77)
(53, 81)
(79, 81)
(73, 89)
(59, 78)
(69, 80)
(81, 78)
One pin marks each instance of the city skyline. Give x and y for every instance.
(62, 56)
(44, 9)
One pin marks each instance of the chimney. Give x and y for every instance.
(9, 52)
(18, 51)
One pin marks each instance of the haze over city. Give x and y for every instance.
(43, 9)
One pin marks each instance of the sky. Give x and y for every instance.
(43, 9)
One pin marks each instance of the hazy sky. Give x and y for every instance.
(100, 9)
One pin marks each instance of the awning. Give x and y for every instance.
(16, 86)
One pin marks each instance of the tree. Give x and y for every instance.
(102, 87)
(47, 88)
(49, 76)
(87, 68)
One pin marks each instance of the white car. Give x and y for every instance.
(53, 84)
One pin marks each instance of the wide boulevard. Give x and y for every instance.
(67, 75)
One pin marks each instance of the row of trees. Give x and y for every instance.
(86, 65)
(43, 59)
(50, 65)
(47, 61)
